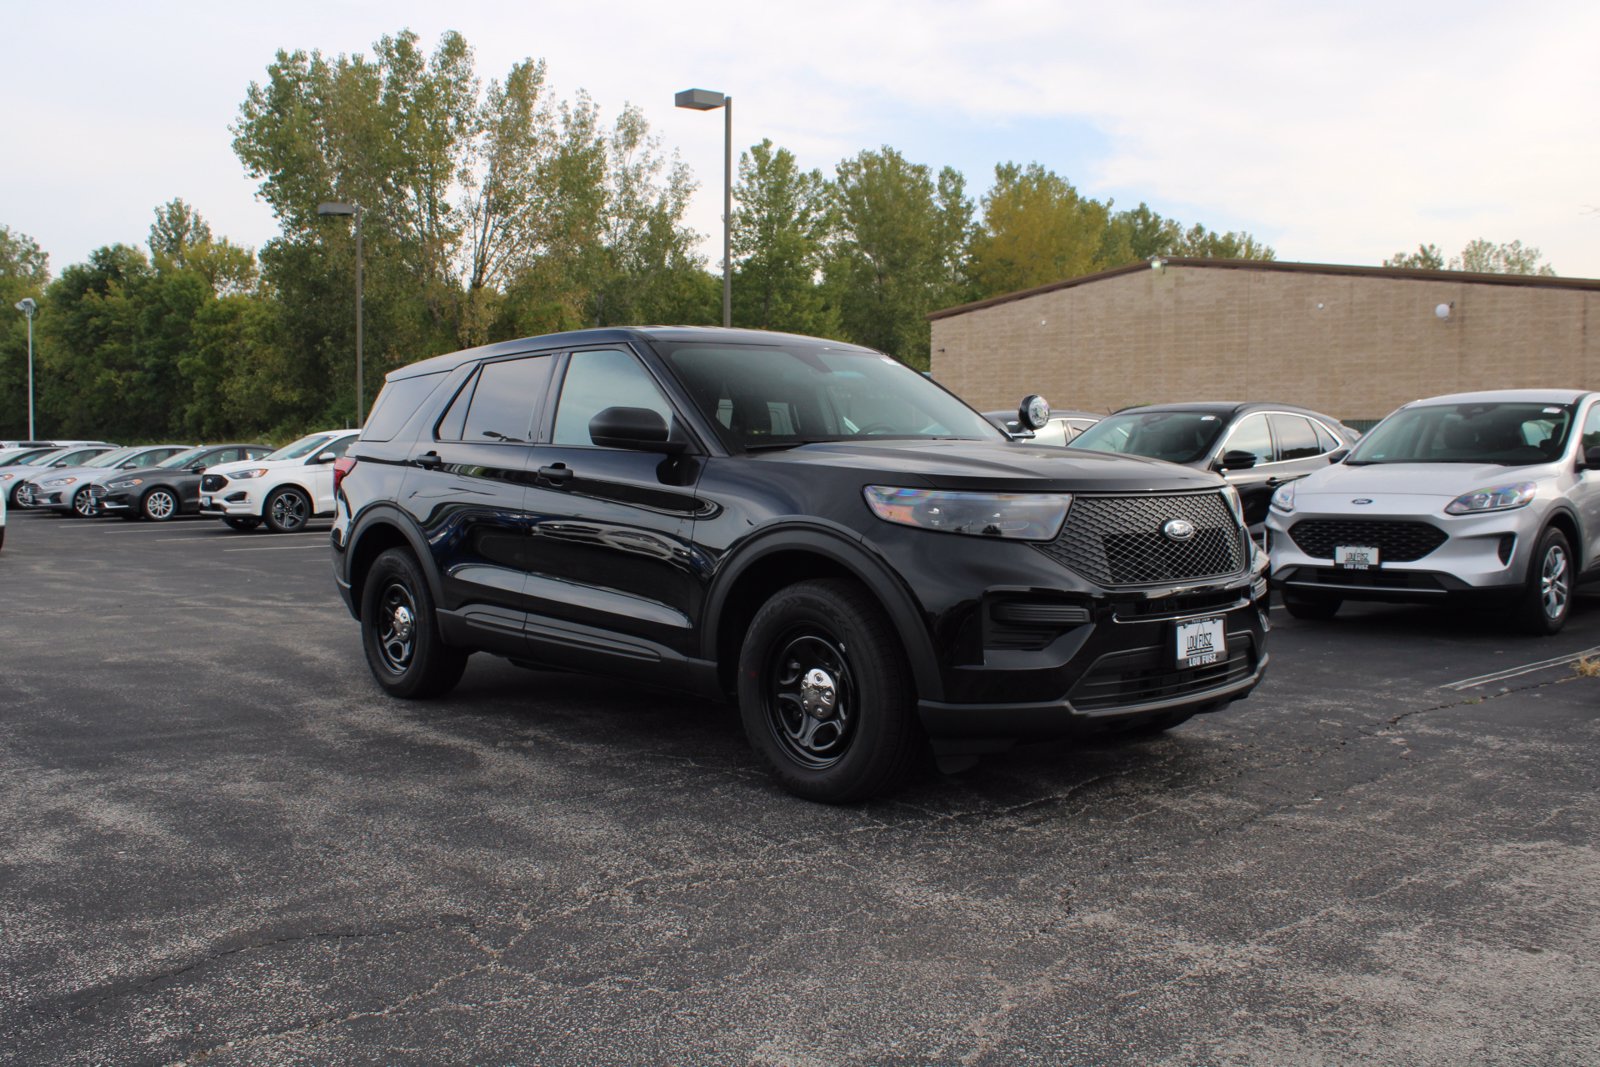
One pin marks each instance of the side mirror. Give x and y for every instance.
(198, 468)
(324, 457)
(1337, 454)
(1236, 459)
(1591, 459)
(1033, 412)
(639, 429)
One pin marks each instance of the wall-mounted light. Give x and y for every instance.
(1443, 311)
(1156, 263)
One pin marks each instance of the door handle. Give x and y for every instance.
(1276, 481)
(559, 474)
(429, 461)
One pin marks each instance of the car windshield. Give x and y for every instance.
(18, 455)
(112, 458)
(1510, 434)
(1175, 436)
(44, 459)
(795, 393)
(303, 447)
(183, 459)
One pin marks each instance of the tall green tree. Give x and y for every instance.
(899, 250)
(781, 225)
(1426, 257)
(1486, 257)
(24, 272)
(1197, 240)
(1035, 228)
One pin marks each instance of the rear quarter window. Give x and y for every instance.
(399, 400)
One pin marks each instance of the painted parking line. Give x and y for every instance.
(1526, 668)
(321, 546)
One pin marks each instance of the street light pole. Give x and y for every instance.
(707, 100)
(332, 208)
(27, 306)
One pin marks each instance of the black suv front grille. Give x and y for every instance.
(1397, 541)
(1117, 540)
(210, 483)
(1147, 675)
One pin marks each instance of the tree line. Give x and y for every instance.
(495, 211)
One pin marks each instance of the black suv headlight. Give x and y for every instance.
(1018, 516)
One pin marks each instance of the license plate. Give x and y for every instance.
(1356, 557)
(205, 502)
(1201, 642)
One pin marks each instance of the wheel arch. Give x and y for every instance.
(1566, 521)
(783, 558)
(374, 534)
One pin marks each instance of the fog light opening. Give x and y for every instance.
(1508, 545)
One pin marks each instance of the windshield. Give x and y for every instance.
(1175, 436)
(112, 458)
(1513, 435)
(794, 393)
(182, 459)
(19, 455)
(303, 447)
(44, 459)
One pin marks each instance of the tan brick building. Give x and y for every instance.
(1355, 342)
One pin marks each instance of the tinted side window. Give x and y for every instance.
(1325, 437)
(505, 399)
(1297, 438)
(1591, 429)
(600, 379)
(1251, 435)
(397, 402)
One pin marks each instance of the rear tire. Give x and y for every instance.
(1320, 609)
(400, 630)
(826, 695)
(1546, 599)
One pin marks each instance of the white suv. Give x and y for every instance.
(286, 489)
(1491, 495)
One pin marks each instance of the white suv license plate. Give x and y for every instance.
(1356, 557)
(205, 502)
(1201, 642)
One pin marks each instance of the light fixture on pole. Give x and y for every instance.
(28, 307)
(333, 208)
(706, 100)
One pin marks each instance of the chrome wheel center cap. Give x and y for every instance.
(403, 623)
(817, 694)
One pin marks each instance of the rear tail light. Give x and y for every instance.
(341, 467)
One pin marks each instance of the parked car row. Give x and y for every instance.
(244, 484)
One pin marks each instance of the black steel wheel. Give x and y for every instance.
(400, 631)
(84, 505)
(287, 510)
(160, 504)
(825, 694)
(1547, 591)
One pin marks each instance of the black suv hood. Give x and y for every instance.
(994, 465)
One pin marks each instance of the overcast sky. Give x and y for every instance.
(1337, 132)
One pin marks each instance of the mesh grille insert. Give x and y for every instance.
(1117, 540)
(1397, 541)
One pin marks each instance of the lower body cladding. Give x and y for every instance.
(1121, 659)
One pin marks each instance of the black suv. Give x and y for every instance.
(812, 528)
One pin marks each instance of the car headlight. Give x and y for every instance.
(127, 483)
(239, 476)
(1498, 498)
(1283, 497)
(1016, 516)
(6, 477)
(1235, 502)
(58, 481)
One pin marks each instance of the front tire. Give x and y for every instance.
(1320, 609)
(1546, 599)
(83, 504)
(826, 695)
(160, 505)
(400, 630)
(287, 511)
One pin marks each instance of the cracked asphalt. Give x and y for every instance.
(221, 844)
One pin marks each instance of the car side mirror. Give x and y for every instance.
(198, 468)
(1337, 454)
(325, 457)
(1591, 458)
(639, 429)
(1236, 459)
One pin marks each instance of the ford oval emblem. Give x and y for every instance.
(1177, 529)
(1362, 500)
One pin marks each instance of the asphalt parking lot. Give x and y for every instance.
(222, 844)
